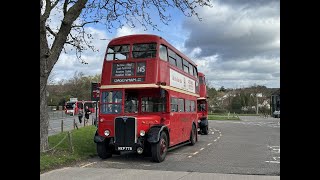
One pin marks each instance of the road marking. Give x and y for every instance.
(218, 137)
(88, 164)
(195, 153)
(179, 153)
(189, 156)
(201, 149)
(212, 133)
(215, 140)
(272, 161)
(145, 164)
(209, 144)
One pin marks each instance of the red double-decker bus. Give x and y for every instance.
(202, 102)
(148, 98)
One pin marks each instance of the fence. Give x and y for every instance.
(60, 122)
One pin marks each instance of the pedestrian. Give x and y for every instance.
(87, 112)
(80, 115)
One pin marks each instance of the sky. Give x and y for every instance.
(236, 44)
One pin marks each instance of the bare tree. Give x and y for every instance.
(79, 13)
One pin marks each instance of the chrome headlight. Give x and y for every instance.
(142, 133)
(107, 132)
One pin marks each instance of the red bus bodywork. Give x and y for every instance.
(202, 102)
(148, 98)
(69, 109)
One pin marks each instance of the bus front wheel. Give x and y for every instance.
(103, 151)
(159, 149)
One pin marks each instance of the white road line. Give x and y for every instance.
(212, 133)
(215, 140)
(272, 161)
(180, 153)
(218, 137)
(189, 156)
(209, 144)
(201, 149)
(88, 164)
(145, 164)
(195, 153)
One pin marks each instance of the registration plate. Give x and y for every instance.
(124, 148)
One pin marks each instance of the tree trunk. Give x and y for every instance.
(44, 117)
(49, 57)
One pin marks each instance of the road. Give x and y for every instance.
(247, 147)
(55, 118)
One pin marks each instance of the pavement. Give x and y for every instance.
(135, 174)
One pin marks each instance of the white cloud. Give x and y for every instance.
(125, 30)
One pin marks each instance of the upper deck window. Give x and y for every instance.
(172, 57)
(185, 66)
(190, 69)
(163, 52)
(144, 50)
(179, 62)
(120, 52)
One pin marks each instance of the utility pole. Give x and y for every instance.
(257, 106)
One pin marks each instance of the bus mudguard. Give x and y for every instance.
(98, 138)
(154, 132)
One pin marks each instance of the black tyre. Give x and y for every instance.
(193, 135)
(103, 151)
(205, 130)
(147, 150)
(159, 149)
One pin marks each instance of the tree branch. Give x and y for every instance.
(50, 31)
(65, 5)
(54, 4)
(48, 9)
(82, 25)
(64, 30)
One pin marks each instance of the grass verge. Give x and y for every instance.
(222, 117)
(84, 147)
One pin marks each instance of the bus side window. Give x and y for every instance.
(174, 104)
(181, 105)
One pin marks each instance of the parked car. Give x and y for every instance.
(276, 114)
